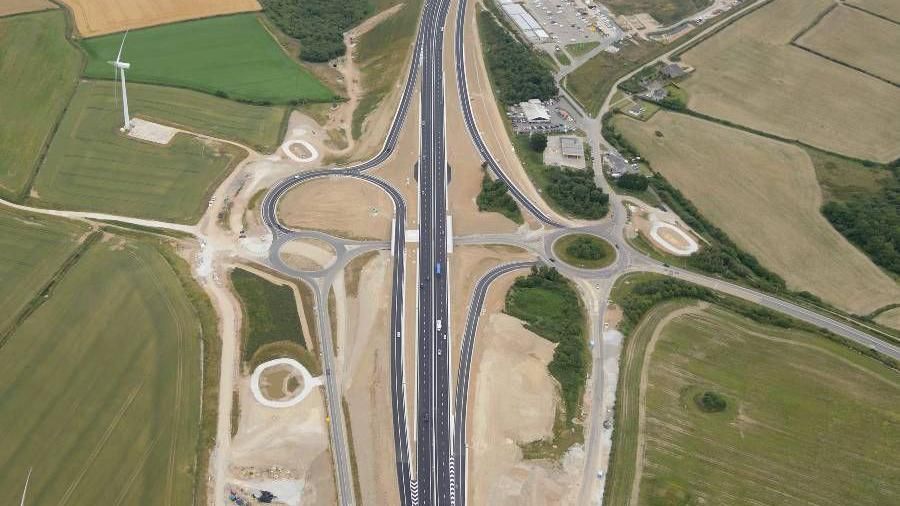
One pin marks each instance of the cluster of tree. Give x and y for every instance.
(537, 142)
(495, 197)
(517, 72)
(585, 248)
(576, 193)
(633, 182)
(319, 25)
(559, 318)
(722, 256)
(673, 102)
(872, 223)
(711, 402)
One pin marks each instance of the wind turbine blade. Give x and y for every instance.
(25, 491)
(119, 56)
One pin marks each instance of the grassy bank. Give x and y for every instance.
(584, 251)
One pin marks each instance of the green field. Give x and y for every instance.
(233, 56)
(665, 12)
(101, 386)
(584, 251)
(256, 126)
(92, 166)
(40, 70)
(806, 421)
(592, 82)
(382, 54)
(271, 324)
(32, 249)
(581, 48)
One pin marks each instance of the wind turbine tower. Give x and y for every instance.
(120, 68)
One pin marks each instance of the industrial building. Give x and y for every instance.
(524, 21)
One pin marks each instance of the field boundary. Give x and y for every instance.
(794, 42)
(39, 161)
(861, 9)
(46, 291)
(692, 43)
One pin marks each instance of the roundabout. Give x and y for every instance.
(281, 383)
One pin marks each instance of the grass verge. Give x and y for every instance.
(584, 251)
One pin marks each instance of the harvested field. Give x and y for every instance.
(32, 250)
(750, 75)
(92, 166)
(767, 199)
(890, 318)
(19, 6)
(232, 56)
(804, 420)
(97, 17)
(859, 40)
(33, 48)
(344, 207)
(887, 8)
(110, 381)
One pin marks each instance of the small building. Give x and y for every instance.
(535, 111)
(571, 148)
(672, 71)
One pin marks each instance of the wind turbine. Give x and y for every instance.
(120, 68)
(25, 491)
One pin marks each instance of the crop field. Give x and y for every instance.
(767, 199)
(33, 48)
(749, 74)
(32, 249)
(256, 126)
(101, 386)
(886, 8)
(97, 17)
(859, 40)
(664, 11)
(19, 6)
(795, 418)
(231, 56)
(93, 166)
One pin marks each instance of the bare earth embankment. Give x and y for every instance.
(513, 399)
(750, 75)
(764, 194)
(860, 40)
(97, 17)
(344, 207)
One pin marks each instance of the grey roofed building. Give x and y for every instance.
(571, 147)
(672, 71)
